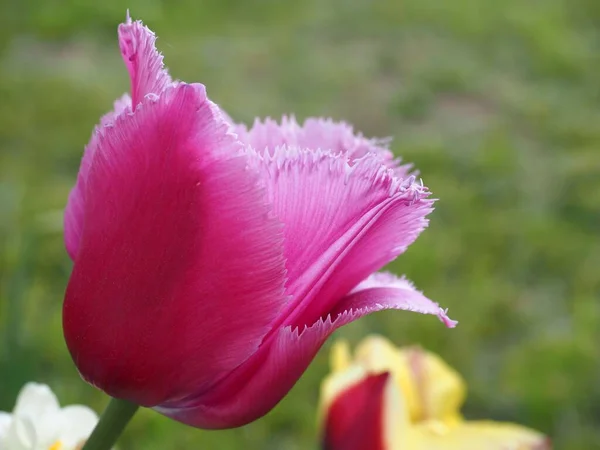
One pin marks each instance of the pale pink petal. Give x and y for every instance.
(120, 105)
(267, 135)
(143, 61)
(318, 134)
(342, 223)
(229, 121)
(387, 291)
(73, 219)
(180, 258)
(258, 385)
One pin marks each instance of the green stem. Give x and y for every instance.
(115, 418)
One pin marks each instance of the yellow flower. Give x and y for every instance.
(405, 398)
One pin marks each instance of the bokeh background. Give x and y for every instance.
(496, 102)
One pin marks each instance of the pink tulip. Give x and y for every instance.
(211, 262)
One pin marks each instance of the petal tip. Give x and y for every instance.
(442, 315)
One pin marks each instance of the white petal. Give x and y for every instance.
(34, 400)
(39, 408)
(48, 427)
(5, 420)
(78, 422)
(21, 434)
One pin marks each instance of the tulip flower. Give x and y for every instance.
(387, 398)
(39, 423)
(211, 262)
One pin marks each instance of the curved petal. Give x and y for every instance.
(386, 291)
(78, 422)
(145, 66)
(35, 415)
(255, 387)
(21, 434)
(34, 400)
(341, 223)
(177, 236)
(355, 418)
(432, 389)
(396, 415)
(441, 390)
(377, 354)
(317, 133)
(143, 61)
(477, 436)
(148, 76)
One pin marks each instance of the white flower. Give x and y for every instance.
(39, 423)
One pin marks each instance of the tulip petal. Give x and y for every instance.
(386, 291)
(73, 220)
(148, 76)
(317, 133)
(120, 105)
(378, 354)
(355, 418)
(440, 389)
(342, 222)
(255, 387)
(143, 61)
(396, 433)
(478, 435)
(180, 258)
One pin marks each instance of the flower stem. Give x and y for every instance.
(114, 419)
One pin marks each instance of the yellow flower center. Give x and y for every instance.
(56, 446)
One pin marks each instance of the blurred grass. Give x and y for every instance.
(497, 104)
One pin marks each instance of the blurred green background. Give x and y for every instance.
(497, 103)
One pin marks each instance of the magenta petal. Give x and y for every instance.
(143, 61)
(257, 386)
(180, 259)
(386, 291)
(148, 75)
(342, 222)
